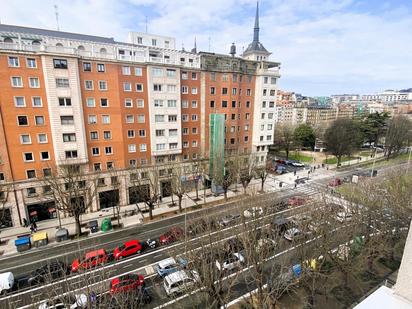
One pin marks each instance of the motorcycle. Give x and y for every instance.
(151, 243)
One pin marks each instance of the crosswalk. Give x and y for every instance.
(310, 188)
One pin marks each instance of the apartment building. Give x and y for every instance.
(103, 105)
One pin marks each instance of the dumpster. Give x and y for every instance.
(62, 234)
(22, 243)
(93, 226)
(106, 225)
(40, 239)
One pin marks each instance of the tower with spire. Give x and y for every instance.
(255, 50)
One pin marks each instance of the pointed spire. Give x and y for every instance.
(256, 28)
(194, 49)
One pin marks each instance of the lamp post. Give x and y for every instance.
(409, 159)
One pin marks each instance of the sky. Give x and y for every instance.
(325, 47)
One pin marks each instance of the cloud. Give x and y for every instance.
(325, 46)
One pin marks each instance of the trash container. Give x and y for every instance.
(93, 226)
(22, 243)
(106, 225)
(62, 234)
(40, 239)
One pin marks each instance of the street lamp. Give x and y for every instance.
(409, 159)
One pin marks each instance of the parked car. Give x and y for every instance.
(128, 248)
(293, 234)
(69, 301)
(169, 265)
(48, 272)
(126, 283)
(230, 261)
(200, 226)
(228, 219)
(280, 225)
(149, 244)
(234, 245)
(6, 282)
(280, 161)
(297, 164)
(296, 201)
(335, 182)
(90, 260)
(174, 234)
(280, 169)
(180, 281)
(253, 212)
(343, 216)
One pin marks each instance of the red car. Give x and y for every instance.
(127, 249)
(91, 259)
(335, 182)
(126, 283)
(172, 235)
(296, 201)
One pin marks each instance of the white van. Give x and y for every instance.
(180, 281)
(6, 282)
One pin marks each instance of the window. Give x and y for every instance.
(233, 116)
(139, 87)
(194, 143)
(271, 104)
(185, 89)
(104, 102)
(60, 63)
(31, 174)
(232, 129)
(65, 102)
(95, 151)
(247, 116)
(105, 119)
(262, 127)
(71, 154)
(172, 132)
(90, 102)
(128, 103)
(248, 92)
(143, 147)
(212, 90)
(184, 75)
(34, 82)
(66, 120)
(194, 117)
(92, 119)
(125, 70)
(234, 91)
(268, 137)
(194, 90)
(138, 71)
(194, 155)
(262, 116)
(132, 162)
(158, 103)
(185, 157)
(69, 137)
(185, 131)
(108, 150)
(265, 80)
(213, 76)
(160, 146)
(212, 104)
(185, 104)
(87, 67)
(19, 102)
(171, 88)
(129, 118)
(185, 117)
(102, 85)
(28, 157)
(194, 75)
(130, 133)
(157, 87)
(270, 126)
(185, 144)
(158, 72)
(140, 103)
(44, 155)
(25, 139)
(94, 135)
(224, 103)
(265, 91)
(107, 135)
(101, 67)
(39, 120)
(131, 148)
(247, 127)
(246, 139)
(171, 72)
(172, 118)
(225, 77)
(232, 141)
(233, 104)
(270, 115)
(154, 42)
(98, 167)
(261, 138)
(159, 118)
(272, 92)
(273, 80)
(142, 133)
(47, 173)
(194, 104)
(16, 81)
(224, 90)
(36, 102)
(194, 130)
(88, 85)
(247, 104)
(127, 86)
(42, 138)
(160, 132)
(31, 63)
(141, 119)
(171, 103)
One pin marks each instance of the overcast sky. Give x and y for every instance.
(325, 46)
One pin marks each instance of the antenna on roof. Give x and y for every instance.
(209, 44)
(146, 23)
(56, 12)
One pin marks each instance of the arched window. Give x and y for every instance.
(8, 40)
(103, 50)
(35, 42)
(80, 47)
(59, 45)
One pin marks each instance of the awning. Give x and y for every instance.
(33, 213)
(52, 209)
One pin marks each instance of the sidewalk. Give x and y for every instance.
(271, 185)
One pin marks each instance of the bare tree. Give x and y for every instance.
(197, 171)
(179, 183)
(398, 135)
(247, 170)
(284, 137)
(262, 172)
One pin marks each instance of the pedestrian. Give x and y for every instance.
(34, 226)
(31, 228)
(25, 222)
(160, 198)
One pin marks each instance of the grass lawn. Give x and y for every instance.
(397, 159)
(365, 153)
(296, 155)
(333, 160)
